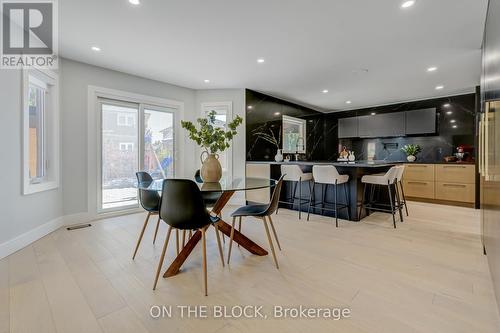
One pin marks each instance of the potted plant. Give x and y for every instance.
(411, 152)
(272, 139)
(212, 139)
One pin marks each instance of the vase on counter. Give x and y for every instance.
(411, 158)
(279, 156)
(351, 156)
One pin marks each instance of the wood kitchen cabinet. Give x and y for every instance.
(440, 182)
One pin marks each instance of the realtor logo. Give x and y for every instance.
(29, 34)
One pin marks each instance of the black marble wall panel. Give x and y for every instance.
(264, 112)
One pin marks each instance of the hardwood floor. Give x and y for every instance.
(428, 275)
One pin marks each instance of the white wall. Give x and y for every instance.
(237, 97)
(76, 77)
(19, 214)
(24, 219)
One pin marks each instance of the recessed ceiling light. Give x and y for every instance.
(408, 3)
(454, 126)
(373, 113)
(261, 60)
(135, 2)
(348, 102)
(439, 87)
(447, 105)
(449, 112)
(277, 113)
(206, 81)
(453, 121)
(431, 69)
(325, 91)
(96, 48)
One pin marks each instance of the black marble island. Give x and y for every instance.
(355, 170)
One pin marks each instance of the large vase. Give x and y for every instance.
(211, 170)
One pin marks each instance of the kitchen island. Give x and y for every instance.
(355, 170)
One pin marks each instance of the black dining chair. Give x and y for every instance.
(260, 212)
(210, 198)
(182, 208)
(150, 201)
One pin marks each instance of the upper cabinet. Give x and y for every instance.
(348, 127)
(421, 121)
(382, 125)
(389, 124)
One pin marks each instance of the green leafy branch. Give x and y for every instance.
(212, 138)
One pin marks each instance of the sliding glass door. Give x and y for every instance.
(133, 137)
(119, 154)
(159, 145)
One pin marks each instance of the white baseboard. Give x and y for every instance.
(29, 237)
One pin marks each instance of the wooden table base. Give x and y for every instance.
(225, 228)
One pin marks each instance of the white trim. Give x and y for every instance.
(229, 117)
(51, 78)
(93, 148)
(29, 237)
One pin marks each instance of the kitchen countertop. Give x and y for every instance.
(360, 163)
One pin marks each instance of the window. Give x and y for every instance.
(223, 115)
(294, 135)
(40, 131)
(127, 146)
(125, 120)
(134, 137)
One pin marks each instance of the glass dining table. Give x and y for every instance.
(226, 187)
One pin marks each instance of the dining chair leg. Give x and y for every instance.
(177, 241)
(270, 242)
(239, 227)
(141, 235)
(190, 234)
(183, 238)
(156, 230)
(162, 257)
(204, 244)
(274, 232)
(217, 235)
(223, 236)
(231, 240)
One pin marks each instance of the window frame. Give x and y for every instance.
(206, 107)
(50, 130)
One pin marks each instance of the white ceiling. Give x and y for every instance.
(308, 45)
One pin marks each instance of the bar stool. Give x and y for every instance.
(388, 179)
(328, 175)
(293, 173)
(399, 180)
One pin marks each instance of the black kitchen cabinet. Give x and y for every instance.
(421, 121)
(348, 127)
(382, 125)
